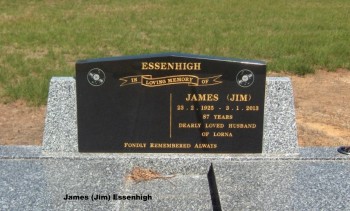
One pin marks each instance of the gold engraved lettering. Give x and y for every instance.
(158, 82)
(178, 66)
(144, 66)
(205, 146)
(133, 80)
(134, 145)
(223, 116)
(202, 97)
(190, 80)
(163, 66)
(170, 145)
(239, 97)
(214, 125)
(242, 126)
(190, 125)
(156, 66)
(180, 80)
(222, 134)
(170, 65)
(197, 66)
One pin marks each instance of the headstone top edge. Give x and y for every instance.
(171, 54)
(62, 78)
(282, 79)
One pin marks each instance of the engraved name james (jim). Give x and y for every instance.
(170, 103)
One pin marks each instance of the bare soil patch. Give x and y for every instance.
(322, 107)
(321, 102)
(21, 124)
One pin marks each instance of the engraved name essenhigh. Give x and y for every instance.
(171, 66)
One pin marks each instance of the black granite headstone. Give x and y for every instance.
(170, 103)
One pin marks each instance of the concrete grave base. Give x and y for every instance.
(314, 179)
(283, 177)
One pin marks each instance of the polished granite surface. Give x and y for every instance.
(314, 179)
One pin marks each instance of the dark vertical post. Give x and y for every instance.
(214, 193)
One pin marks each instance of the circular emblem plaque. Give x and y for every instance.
(245, 78)
(96, 77)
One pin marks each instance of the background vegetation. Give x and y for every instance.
(44, 38)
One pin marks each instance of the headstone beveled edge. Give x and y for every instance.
(105, 109)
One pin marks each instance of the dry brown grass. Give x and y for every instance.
(322, 107)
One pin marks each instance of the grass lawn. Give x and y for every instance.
(43, 38)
